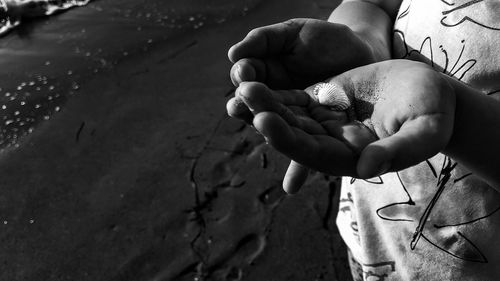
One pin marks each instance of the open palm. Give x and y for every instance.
(402, 114)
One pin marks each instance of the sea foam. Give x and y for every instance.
(12, 12)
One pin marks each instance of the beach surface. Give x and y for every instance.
(118, 161)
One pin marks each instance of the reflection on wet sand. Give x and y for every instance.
(119, 162)
(47, 73)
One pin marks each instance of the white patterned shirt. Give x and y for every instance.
(435, 220)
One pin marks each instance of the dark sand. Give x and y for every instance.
(133, 171)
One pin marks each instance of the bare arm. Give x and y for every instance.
(371, 20)
(475, 142)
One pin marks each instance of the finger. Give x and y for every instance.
(355, 134)
(247, 70)
(416, 140)
(258, 98)
(266, 41)
(323, 113)
(295, 177)
(266, 99)
(318, 152)
(267, 70)
(306, 122)
(297, 98)
(236, 108)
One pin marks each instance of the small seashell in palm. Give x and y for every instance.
(332, 95)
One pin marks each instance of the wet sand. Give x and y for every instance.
(139, 174)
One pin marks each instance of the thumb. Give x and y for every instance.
(295, 177)
(248, 69)
(266, 41)
(417, 140)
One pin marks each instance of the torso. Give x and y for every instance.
(436, 220)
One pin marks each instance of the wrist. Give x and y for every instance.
(370, 23)
(475, 138)
(448, 88)
(377, 47)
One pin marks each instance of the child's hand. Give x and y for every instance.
(407, 110)
(297, 53)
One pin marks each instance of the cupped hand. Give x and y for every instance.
(294, 54)
(296, 124)
(297, 53)
(408, 105)
(402, 113)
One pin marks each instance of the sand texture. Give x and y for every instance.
(134, 171)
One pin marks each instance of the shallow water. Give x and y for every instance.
(120, 163)
(32, 8)
(44, 63)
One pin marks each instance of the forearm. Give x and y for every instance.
(371, 22)
(475, 142)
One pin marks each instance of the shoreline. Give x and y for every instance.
(142, 176)
(50, 58)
